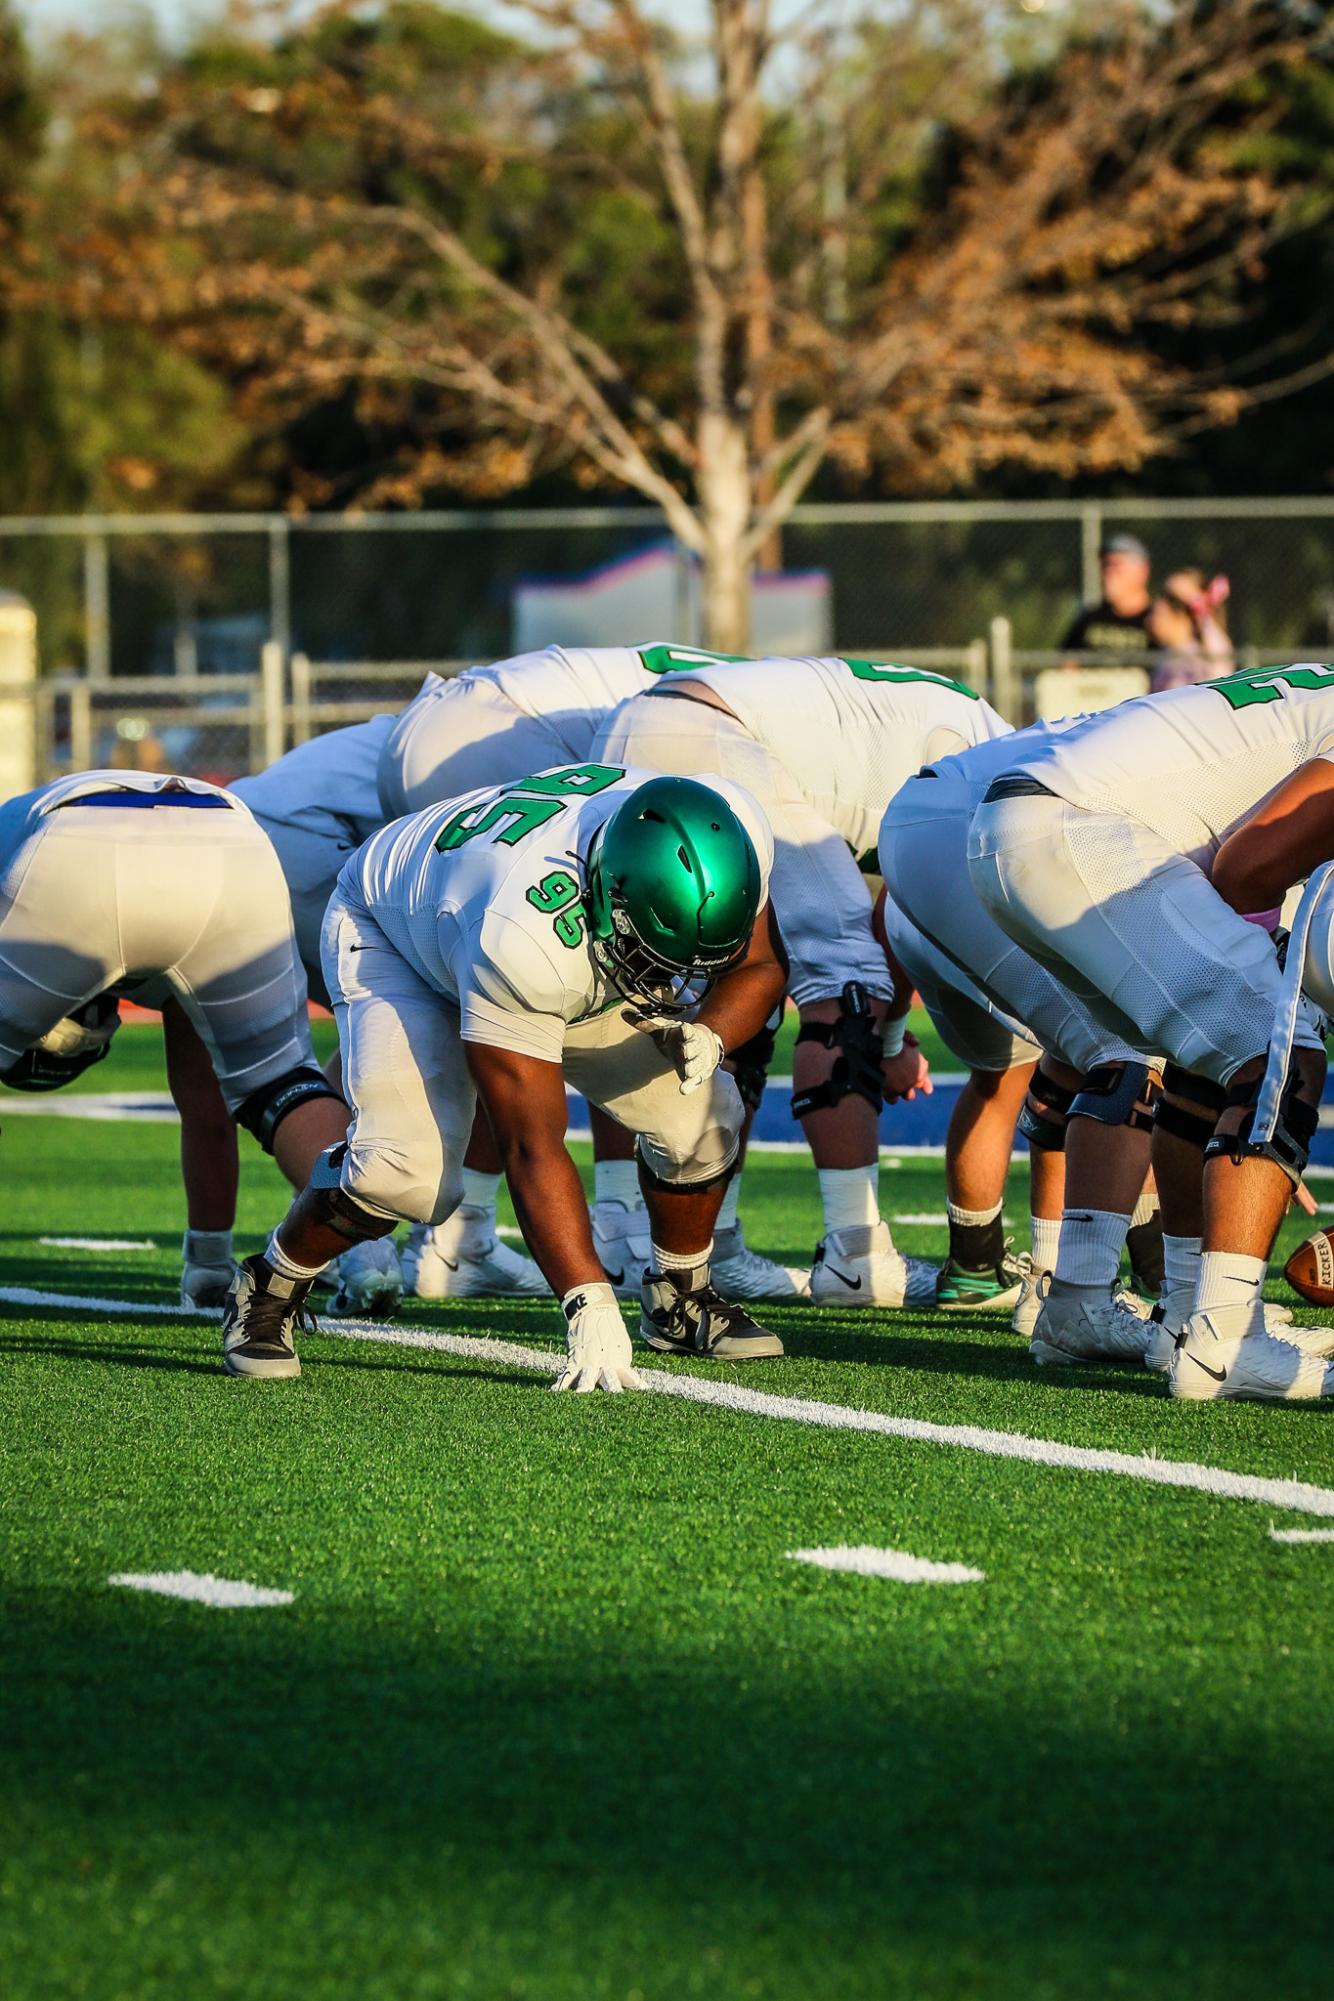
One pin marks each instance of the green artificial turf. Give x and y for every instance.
(553, 1715)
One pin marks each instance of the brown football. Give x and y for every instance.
(1310, 1269)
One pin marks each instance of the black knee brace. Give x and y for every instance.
(1048, 1134)
(1194, 1121)
(1117, 1094)
(750, 1065)
(265, 1109)
(859, 1040)
(341, 1211)
(1294, 1128)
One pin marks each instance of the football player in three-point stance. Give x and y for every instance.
(595, 924)
(488, 725)
(163, 890)
(1143, 855)
(823, 744)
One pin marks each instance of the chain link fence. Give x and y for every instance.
(210, 643)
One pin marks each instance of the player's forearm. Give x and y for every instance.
(549, 1202)
(1251, 874)
(742, 1002)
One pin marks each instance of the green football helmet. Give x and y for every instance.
(673, 890)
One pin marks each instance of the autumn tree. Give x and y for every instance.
(703, 274)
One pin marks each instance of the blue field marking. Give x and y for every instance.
(924, 1122)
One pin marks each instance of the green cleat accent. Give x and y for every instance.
(993, 1289)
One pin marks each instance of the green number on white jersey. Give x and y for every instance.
(680, 659)
(516, 813)
(1270, 684)
(558, 896)
(874, 670)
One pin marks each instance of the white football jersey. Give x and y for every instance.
(481, 896)
(573, 689)
(1192, 763)
(330, 779)
(850, 732)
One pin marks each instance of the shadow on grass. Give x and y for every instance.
(565, 1800)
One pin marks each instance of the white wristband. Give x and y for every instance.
(894, 1034)
(580, 1297)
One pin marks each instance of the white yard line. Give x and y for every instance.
(864, 1561)
(227, 1594)
(1219, 1481)
(1301, 1535)
(98, 1243)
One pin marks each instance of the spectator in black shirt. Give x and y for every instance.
(1117, 627)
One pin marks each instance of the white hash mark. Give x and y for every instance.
(98, 1243)
(227, 1594)
(1297, 1496)
(1301, 1535)
(865, 1561)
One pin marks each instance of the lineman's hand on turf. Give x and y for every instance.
(907, 1073)
(599, 1355)
(207, 1267)
(693, 1050)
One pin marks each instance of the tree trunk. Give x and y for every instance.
(725, 509)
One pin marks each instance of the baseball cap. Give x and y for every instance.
(1124, 545)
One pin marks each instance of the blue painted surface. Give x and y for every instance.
(923, 1122)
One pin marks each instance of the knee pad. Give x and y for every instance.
(1289, 1147)
(1045, 1096)
(265, 1109)
(1195, 1121)
(718, 1178)
(859, 1040)
(750, 1065)
(341, 1211)
(1117, 1094)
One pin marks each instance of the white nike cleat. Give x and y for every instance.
(1167, 1321)
(621, 1240)
(1084, 1324)
(367, 1281)
(1025, 1316)
(860, 1267)
(1228, 1352)
(738, 1272)
(463, 1258)
(1029, 1303)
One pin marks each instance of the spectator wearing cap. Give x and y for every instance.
(1117, 626)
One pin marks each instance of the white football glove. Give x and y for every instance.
(207, 1267)
(599, 1355)
(693, 1050)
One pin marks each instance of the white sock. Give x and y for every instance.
(1145, 1209)
(851, 1197)
(288, 1267)
(616, 1181)
(1181, 1273)
(1092, 1241)
(1046, 1241)
(727, 1214)
(480, 1191)
(1228, 1279)
(668, 1262)
(972, 1218)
